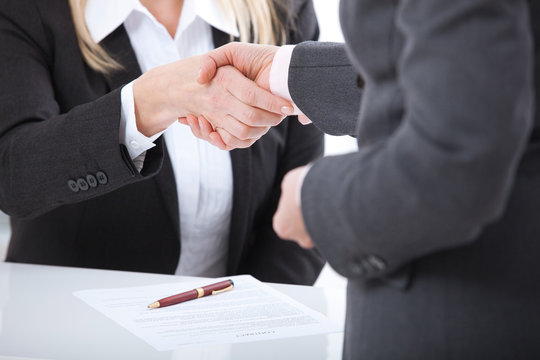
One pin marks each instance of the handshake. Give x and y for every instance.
(224, 96)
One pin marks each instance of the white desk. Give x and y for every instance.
(41, 319)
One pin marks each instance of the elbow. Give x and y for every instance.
(17, 205)
(14, 209)
(483, 190)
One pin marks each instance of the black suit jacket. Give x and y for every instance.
(59, 121)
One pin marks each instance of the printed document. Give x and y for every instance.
(252, 311)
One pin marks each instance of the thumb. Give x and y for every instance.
(208, 69)
(212, 60)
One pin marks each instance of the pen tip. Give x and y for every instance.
(154, 305)
(232, 282)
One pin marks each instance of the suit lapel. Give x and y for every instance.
(221, 38)
(119, 46)
(166, 185)
(241, 210)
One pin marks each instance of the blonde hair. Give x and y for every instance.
(258, 22)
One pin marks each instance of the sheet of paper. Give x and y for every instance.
(252, 311)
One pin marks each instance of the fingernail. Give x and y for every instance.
(286, 110)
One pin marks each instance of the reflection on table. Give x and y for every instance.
(40, 318)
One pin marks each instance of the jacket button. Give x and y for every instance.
(91, 180)
(83, 185)
(102, 178)
(376, 262)
(72, 184)
(368, 267)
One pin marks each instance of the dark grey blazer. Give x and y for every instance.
(435, 220)
(59, 121)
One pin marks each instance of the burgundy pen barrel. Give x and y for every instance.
(216, 287)
(178, 298)
(193, 294)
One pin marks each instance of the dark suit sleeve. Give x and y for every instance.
(446, 172)
(271, 258)
(41, 148)
(335, 94)
(324, 85)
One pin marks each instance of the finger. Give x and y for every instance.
(218, 141)
(245, 121)
(251, 94)
(234, 116)
(305, 242)
(206, 129)
(205, 126)
(240, 130)
(194, 125)
(214, 59)
(209, 134)
(202, 129)
(183, 121)
(303, 119)
(232, 141)
(277, 223)
(208, 69)
(255, 117)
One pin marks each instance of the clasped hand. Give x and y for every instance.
(224, 96)
(232, 106)
(255, 62)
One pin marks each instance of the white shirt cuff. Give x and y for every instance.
(279, 75)
(135, 142)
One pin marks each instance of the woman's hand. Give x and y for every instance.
(255, 62)
(229, 101)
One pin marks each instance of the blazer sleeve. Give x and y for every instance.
(325, 86)
(447, 171)
(271, 258)
(41, 147)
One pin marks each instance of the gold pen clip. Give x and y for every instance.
(230, 287)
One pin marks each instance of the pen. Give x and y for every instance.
(211, 289)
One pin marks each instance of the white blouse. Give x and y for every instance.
(203, 173)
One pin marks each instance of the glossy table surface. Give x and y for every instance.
(41, 319)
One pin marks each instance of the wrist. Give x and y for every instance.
(135, 142)
(151, 115)
(263, 78)
(279, 75)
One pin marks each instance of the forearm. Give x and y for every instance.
(41, 157)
